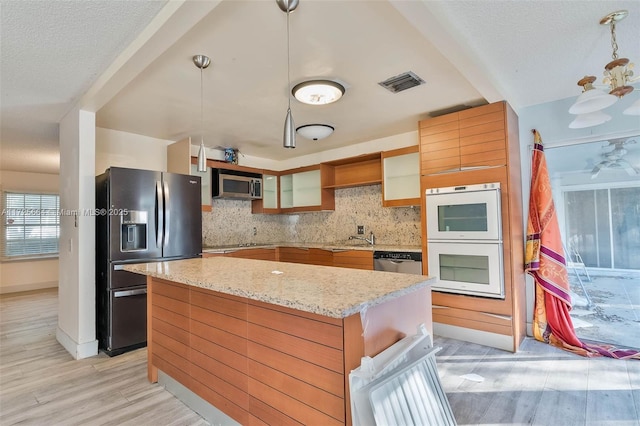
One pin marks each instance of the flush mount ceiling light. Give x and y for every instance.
(318, 92)
(617, 74)
(202, 62)
(289, 137)
(315, 131)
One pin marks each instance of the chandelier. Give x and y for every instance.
(618, 76)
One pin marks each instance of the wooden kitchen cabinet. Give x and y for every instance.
(401, 177)
(473, 138)
(247, 253)
(293, 254)
(353, 171)
(474, 146)
(320, 257)
(356, 259)
(305, 189)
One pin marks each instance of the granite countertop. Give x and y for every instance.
(337, 246)
(324, 290)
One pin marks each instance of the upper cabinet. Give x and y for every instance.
(270, 194)
(353, 171)
(304, 189)
(270, 191)
(401, 177)
(469, 139)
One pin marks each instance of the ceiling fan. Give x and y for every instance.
(613, 160)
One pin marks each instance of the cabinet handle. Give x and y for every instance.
(464, 169)
(125, 293)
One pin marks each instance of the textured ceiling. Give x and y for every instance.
(52, 52)
(525, 52)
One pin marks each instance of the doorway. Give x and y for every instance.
(596, 189)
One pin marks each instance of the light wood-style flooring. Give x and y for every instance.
(41, 384)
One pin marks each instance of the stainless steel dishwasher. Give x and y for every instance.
(406, 262)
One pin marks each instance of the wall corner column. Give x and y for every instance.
(76, 291)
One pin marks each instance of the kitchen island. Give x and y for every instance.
(273, 342)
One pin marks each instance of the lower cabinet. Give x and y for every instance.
(256, 253)
(357, 259)
(293, 254)
(320, 257)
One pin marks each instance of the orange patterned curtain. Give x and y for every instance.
(545, 262)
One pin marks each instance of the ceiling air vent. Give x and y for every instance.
(401, 82)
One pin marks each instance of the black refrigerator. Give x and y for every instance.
(141, 216)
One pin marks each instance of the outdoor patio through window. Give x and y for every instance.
(596, 189)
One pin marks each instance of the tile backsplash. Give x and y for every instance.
(231, 222)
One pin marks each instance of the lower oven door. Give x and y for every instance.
(473, 268)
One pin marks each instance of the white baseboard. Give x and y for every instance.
(27, 287)
(77, 350)
(499, 341)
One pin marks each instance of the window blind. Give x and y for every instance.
(31, 224)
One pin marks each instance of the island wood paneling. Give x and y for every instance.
(258, 363)
(296, 364)
(170, 329)
(219, 351)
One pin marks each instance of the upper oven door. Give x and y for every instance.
(464, 213)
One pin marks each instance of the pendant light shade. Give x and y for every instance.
(202, 62)
(634, 109)
(289, 139)
(591, 99)
(589, 120)
(202, 157)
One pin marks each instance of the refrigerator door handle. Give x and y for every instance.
(125, 293)
(167, 211)
(159, 214)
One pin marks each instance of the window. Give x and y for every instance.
(31, 225)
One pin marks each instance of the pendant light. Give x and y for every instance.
(289, 139)
(202, 62)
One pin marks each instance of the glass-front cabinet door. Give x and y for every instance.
(401, 177)
(270, 193)
(286, 191)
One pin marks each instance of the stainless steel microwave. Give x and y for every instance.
(236, 184)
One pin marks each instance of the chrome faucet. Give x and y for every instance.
(371, 240)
